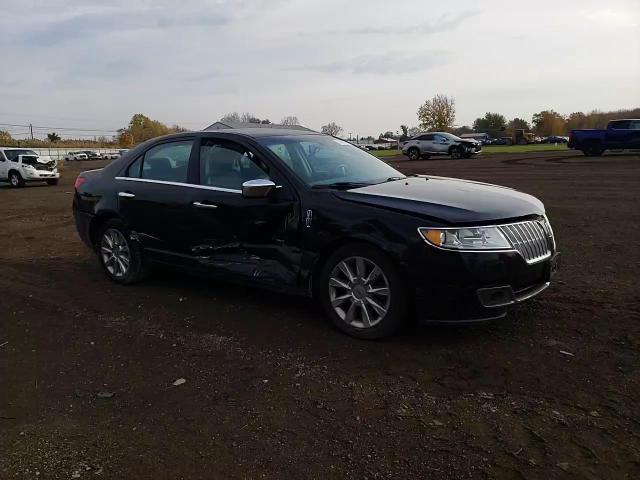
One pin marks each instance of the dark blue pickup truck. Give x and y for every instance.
(619, 135)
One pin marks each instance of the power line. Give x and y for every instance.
(35, 127)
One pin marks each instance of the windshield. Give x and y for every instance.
(12, 155)
(324, 160)
(451, 137)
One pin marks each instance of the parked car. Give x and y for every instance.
(19, 165)
(110, 155)
(619, 135)
(503, 141)
(75, 156)
(556, 139)
(92, 155)
(425, 145)
(309, 214)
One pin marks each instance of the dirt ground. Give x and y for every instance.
(272, 391)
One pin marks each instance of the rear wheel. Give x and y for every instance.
(15, 179)
(414, 154)
(120, 257)
(361, 292)
(592, 149)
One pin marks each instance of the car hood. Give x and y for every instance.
(448, 200)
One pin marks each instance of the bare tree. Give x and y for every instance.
(231, 117)
(249, 118)
(437, 114)
(290, 120)
(332, 129)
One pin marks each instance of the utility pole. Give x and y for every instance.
(31, 129)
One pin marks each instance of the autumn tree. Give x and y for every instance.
(490, 121)
(125, 139)
(5, 138)
(549, 122)
(143, 128)
(290, 120)
(332, 129)
(438, 113)
(519, 123)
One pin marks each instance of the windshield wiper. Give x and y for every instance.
(341, 185)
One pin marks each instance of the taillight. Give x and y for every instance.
(79, 181)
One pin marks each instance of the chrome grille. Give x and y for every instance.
(532, 239)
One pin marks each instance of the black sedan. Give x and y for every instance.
(309, 214)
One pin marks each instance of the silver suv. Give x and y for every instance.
(440, 143)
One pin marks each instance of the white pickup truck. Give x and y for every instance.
(19, 165)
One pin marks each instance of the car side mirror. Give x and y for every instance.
(258, 188)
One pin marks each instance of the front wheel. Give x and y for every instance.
(16, 180)
(456, 153)
(362, 293)
(120, 257)
(414, 154)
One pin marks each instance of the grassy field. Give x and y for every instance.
(491, 149)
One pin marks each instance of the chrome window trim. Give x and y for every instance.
(180, 184)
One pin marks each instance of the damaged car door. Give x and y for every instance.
(246, 216)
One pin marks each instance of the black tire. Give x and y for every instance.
(137, 269)
(52, 181)
(413, 153)
(456, 152)
(15, 179)
(592, 149)
(396, 304)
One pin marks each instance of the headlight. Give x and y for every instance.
(468, 238)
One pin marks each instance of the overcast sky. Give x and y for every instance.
(364, 64)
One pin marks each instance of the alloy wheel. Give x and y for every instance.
(115, 252)
(15, 181)
(359, 292)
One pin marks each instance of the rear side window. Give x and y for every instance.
(168, 162)
(620, 125)
(634, 124)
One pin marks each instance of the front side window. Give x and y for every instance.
(228, 165)
(634, 125)
(168, 162)
(322, 160)
(134, 169)
(426, 137)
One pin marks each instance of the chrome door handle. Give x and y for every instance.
(204, 205)
(126, 194)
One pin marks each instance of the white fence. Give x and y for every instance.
(59, 153)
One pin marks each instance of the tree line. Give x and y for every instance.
(438, 114)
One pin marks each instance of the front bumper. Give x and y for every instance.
(476, 287)
(40, 174)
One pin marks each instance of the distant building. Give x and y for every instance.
(234, 125)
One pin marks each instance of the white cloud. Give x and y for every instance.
(366, 65)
